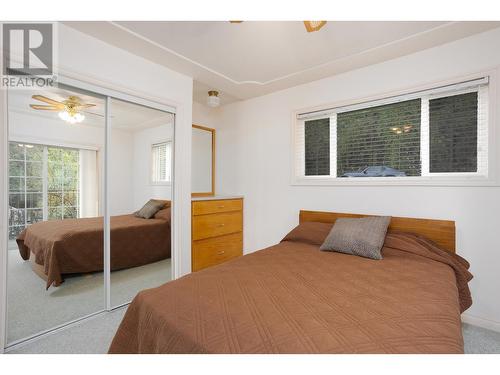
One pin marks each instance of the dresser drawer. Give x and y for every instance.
(212, 251)
(206, 226)
(216, 206)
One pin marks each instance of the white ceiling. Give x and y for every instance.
(125, 116)
(249, 59)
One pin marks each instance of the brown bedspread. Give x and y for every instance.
(293, 298)
(76, 245)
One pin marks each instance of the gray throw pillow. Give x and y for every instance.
(363, 237)
(150, 209)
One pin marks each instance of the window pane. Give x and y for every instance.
(70, 198)
(15, 151)
(70, 156)
(16, 168)
(70, 213)
(384, 136)
(53, 154)
(34, 215)
(34, 184)
(16, 184)
(34, 153)
(16, 216)
(453, 133)
(34, 200)
(54, 199)
(70, 184)
(317, 147)
(34, 169)
(17, 200)
(55, 213)
(71, 171)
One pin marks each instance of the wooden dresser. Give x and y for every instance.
(217, 230)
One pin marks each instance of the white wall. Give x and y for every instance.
(206, 116)
(95, 62)
(254, 159)
(143, 189)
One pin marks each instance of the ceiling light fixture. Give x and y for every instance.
(213, 99)
(71, 117)
(70, 110)
(312, 26)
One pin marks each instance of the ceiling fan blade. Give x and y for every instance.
(94, 114)
(48, 101)
(45, 107)
(86, 105)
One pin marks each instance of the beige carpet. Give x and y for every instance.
(32, 309)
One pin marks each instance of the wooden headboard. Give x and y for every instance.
(440, 231)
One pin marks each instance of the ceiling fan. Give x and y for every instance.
(70, 110)
(311, 26)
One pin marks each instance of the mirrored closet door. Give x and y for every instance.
(90, 197)
(55, 187)
(140, 199)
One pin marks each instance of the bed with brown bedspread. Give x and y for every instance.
(76, 245)
(293, 298)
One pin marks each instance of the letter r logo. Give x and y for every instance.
(28, 49)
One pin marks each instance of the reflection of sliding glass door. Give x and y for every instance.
(43, 185)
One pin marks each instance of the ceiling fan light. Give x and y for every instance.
(312, 26)
(71, 118)
(213, 99)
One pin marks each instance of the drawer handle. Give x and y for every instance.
(222, 252)
(221, 225)
(220, 206)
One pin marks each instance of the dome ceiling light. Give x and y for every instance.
(213, 99)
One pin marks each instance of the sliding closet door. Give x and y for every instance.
(140, 193)
(55, 194)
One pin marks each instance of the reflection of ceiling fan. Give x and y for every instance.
(310, 25)
(70, 110)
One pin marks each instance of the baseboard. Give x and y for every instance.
(481, 322)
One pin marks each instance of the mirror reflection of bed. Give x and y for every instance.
(56, 207)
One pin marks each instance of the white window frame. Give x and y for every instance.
(151, 163)
(487, 174)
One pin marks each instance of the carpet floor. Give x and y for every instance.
(32, 309)
(94, 336)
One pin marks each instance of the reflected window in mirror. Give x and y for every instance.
(161, 161)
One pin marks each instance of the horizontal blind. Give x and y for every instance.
(387, 135)
(161, 162)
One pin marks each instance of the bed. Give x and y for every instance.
(293, 298)
(74, 246)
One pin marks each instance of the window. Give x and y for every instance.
(43, 185)
(432, 133)
(161, 158)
